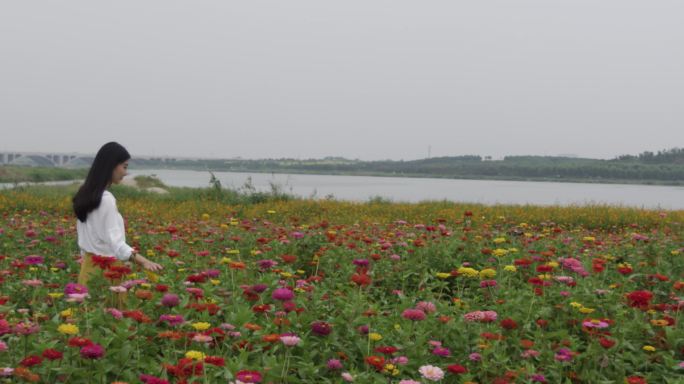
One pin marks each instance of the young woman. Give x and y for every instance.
(100, 227)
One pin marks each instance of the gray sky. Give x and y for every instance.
(360, 79)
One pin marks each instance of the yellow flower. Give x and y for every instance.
(205, 216)
(510, 268)
(226, 260)
(552, 264)
(67, 313)
(151, 276)
(487, 273)
(512, 250)
(270, 211)
(648, 348)
(33, 269)
(224, 226)
(586, 310)
(675, 252)
(286, 275)
(468, 272)
(195, 355)
(499, 240)
(588, 238)
(215, 281)
(67, 329)
(442, 275)
(499, 252)
(546, 276)
(201, 326)
(150, 253)
(234, 222)
(575, 304)
(301, 271)
(232, 251)
(397, 327)
(55, 295)
(375, 336)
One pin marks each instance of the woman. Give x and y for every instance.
(100, 227)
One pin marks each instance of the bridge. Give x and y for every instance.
(63, 160)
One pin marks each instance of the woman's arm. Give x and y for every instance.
(147, 264)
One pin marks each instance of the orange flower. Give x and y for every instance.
(252, 327)
(143, 294)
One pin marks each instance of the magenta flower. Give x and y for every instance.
(334, 364)
(34, 260)
(73, 288)
(170, 300)
(92, 351)
(321, 328)
(282, 294)
(413, 314)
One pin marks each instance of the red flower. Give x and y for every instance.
(52, 354)
(386, 350)
(361, 279)
(79, 342)
(457, 369)
(376, 361)
(639, 299)
(508, 323)
(215, 361)
(30, 361)
(321, 328)
(636, 380)
(606, 343)
(103, 262)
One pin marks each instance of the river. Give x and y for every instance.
(400, 189)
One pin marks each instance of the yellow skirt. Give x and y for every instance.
(92, 277)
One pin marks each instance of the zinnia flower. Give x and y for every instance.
(413, 314)
(431, 372)
(248, 376)
(282, 294)
(92, 351)
(290, 340)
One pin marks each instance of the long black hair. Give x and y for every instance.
(89, 195)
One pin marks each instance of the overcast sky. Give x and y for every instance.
(360, 79)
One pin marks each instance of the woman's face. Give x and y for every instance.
(120, 171)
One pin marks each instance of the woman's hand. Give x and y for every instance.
(149, 265)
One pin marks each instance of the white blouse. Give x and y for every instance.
(103, 232)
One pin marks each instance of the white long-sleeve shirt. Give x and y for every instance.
(103, 232)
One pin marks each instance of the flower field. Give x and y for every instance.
(331, 292)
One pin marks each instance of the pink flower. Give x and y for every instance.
(115, 312)
(290, 340)
(400, 360)
(529, 354)
(409, 382)
(3, 346)
(475, 356)
(431, 372)
(595, 324)
(118, 289)
(413, 314)
(426, 306)
(32, 283)
(346, 376)
(563, 354)
(76, 297)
